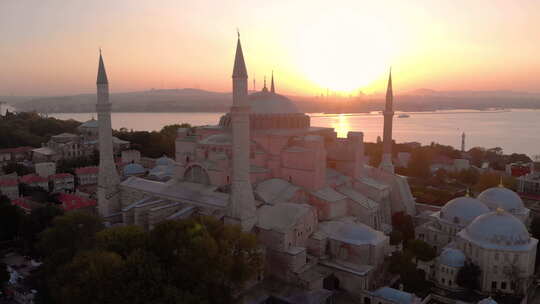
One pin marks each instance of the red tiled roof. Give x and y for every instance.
(73, 202)
(8, 182)
(33, 178)
(20, 203)
(60, 175)
(23, 149)
(87, 170)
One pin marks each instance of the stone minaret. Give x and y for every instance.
(463, 142)
(386, 163)
(272, 87)
(242, 209)
(108, 180)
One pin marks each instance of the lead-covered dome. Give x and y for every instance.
(133, 169)
(463, 210)
(452, 257)
(266, 102)
(500, 197)
(497, 229)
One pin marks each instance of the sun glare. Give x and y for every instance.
(345, 53)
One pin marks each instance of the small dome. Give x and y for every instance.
(266, 102)
(463, 210)
(500, 197)
(133, 169)
(164, 161)
(497, 228)
(452, 257)
(92, 123)
(487, 301)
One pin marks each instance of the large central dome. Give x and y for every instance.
(266, 102)
(497, 229)
(463, 210)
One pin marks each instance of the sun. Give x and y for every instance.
(343, 52)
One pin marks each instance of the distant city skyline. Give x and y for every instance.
(49, 47)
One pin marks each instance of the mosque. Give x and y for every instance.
(322, 214)
(488, 231)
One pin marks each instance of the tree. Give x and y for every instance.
(11, 218)
(68, 235)
(396, 237)
(32, 225)
(92, 277)
(403, 223)
(421, 250)
(4, 275)
(468, 276)
(534, 227)
(14, 167)
(419, 165)
(468, 177)
(206, 257)
(122, 240)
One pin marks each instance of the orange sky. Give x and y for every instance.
(50, 47)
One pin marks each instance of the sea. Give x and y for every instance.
(516, 131)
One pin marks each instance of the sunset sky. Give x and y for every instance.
(50, 47)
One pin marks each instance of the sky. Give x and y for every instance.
(50, 47)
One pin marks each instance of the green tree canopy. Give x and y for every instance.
(4, 275)
(468, 276)
(11, 218)
(122, 240)
(421, 250)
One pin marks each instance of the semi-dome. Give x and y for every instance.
(497, 229)
(452, 257)
(266, 102)
(133, 169)
(463, 210)
(500, 197)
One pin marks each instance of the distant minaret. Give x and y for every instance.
(386, 163)
(242, 209)
(108, 180)
(272, 87)
(463, 142)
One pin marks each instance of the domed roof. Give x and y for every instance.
(164, 161)
(463, 210)
(487, 301)
(266, 102)
(500, 197)
(355, 233)
(452, 257)
(133, 169)
(497, 229)
(92, 123)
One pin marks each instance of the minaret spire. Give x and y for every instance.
(463, 142)
(242, 209)
(388, 113)
(272, 87)
(108, 180)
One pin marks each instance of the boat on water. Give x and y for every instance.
(404, 116)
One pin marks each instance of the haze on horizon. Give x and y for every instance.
(50, 47)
